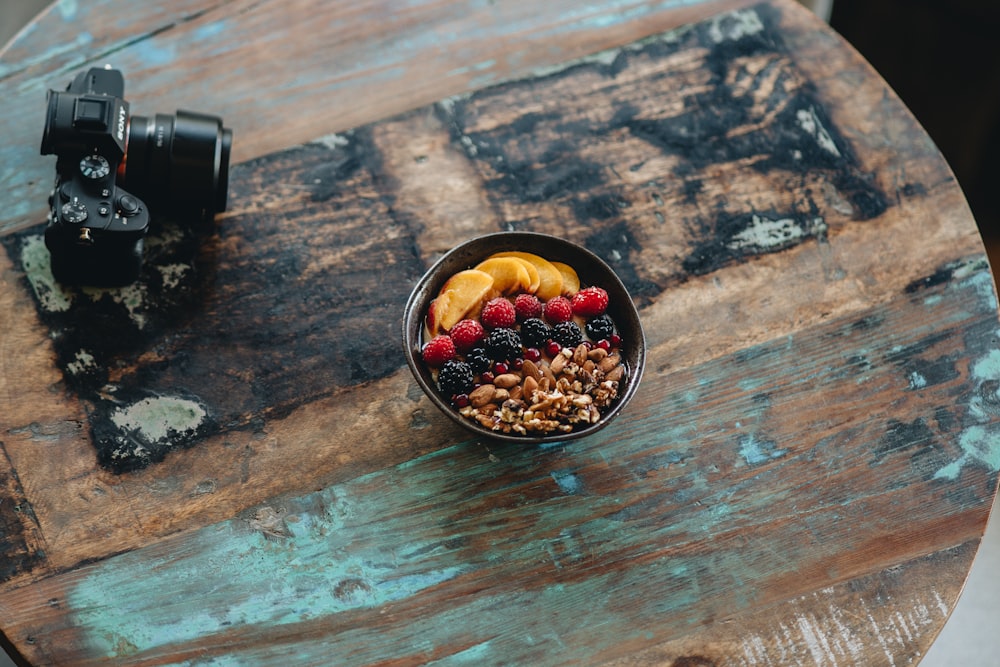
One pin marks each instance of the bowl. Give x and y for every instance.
(591, 270)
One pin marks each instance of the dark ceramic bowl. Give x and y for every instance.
(591, 270)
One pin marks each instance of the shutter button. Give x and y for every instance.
(128, 205)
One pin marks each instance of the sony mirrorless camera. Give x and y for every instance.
(111, 167)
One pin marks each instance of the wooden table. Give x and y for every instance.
(229, 463)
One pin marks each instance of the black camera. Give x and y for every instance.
(110, 164)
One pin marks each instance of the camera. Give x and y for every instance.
(111, 166)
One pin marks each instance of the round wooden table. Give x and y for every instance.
(228, 463)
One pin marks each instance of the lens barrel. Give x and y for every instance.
(181, 161)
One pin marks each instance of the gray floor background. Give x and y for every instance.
(971, 637)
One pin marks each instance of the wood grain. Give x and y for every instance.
(229, 461)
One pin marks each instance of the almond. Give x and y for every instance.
(482, 395)
(557, 365)
(506, 381)
(609, 362)
(615, 374)
(530, 369)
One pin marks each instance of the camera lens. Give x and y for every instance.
(181, 161)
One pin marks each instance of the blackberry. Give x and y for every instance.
(567, 334)
(455, 377)
(600, 327)
(534, 332)
(503, 344)
(478, 360)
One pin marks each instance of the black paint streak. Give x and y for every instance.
(902, 437)
(16, 514)
(263, 323)
(615, 245)
(939, 277)
(724, 242)
(767, 120)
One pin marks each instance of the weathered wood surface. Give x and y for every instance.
(803, 477)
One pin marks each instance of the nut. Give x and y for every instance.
(506, 381)
(609, 362)
(597, 354)
(615, 374)
(557, 364)
(482, 395)
(530, 386)
(530, 369)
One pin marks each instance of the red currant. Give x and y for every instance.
(532, 354)
(500, 368)
(552, 348)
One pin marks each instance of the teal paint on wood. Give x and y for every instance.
(548, 555)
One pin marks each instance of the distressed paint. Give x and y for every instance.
(156, 418)
(659, 533)
(465, 519)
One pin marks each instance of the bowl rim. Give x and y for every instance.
(430, 283)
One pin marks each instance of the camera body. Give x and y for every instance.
(109, 164)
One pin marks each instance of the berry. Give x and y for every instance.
(532, 354)
(503, 344)
(534, 332)
(552, 348)
(616, 340)
(501, 367)
(527, 306)
(438, 350)
(590, 301)
(454, 378)
(498, 313)
(467, 334)
(600, 327)
(604, 344)
(567, 334)
(460, 400)
(558, 309)
(478, 360)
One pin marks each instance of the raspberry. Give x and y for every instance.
(454, 378)
(438, 350)
(503, 344)
(600, 327)
(527, 306)
(534, 332)
(558, 309)
(498, 313)
(590, 301)
(467, 334)
(567, 334)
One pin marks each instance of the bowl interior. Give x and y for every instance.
(592, 271)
